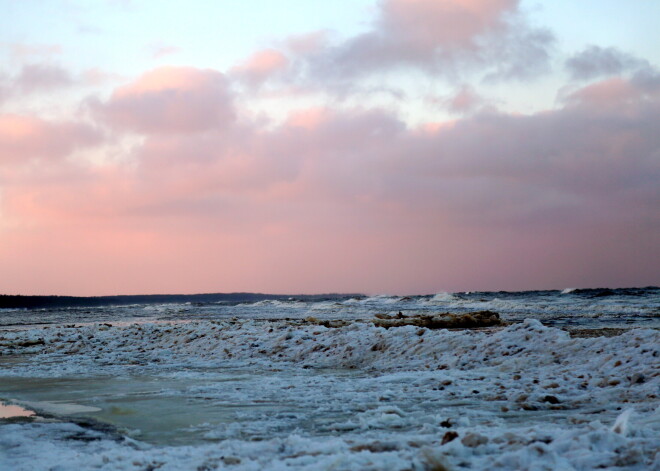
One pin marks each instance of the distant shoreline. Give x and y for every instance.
(41, 302)
(11, 301)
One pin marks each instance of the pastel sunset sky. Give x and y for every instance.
(306, 146)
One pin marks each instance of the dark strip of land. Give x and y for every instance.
(41, 302)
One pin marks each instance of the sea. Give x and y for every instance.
(579, 308)
(570, 379)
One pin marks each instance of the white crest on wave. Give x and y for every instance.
(443, 297)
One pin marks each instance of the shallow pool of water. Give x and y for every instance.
(10, 411)
(173, 410)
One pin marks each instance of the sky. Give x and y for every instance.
(307, 146)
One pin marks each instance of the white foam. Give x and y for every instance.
(442, 298)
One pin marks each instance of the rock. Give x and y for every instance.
(637, 378)
(441, 321)
(448, 437)
(551, 399)
(31, 343)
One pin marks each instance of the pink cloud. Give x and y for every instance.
(46, 79)
(465, 100)
(310, 118)
(170, 99)
(443, 37)
(24, 138)
(37, 77)
(261, 66)
(308, 43)
(335, 199)
(526, 172)
(428, 24)
(623, 95)
(614, 92)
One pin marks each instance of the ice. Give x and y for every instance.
(290, 394)
(621, 424)
(56, 408)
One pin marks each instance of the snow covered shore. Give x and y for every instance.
(355, 397)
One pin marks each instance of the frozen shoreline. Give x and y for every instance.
(353, 397)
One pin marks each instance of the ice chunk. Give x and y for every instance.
(621, 424)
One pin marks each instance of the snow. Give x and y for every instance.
(277, 394)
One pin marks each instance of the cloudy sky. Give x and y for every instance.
(299, 146)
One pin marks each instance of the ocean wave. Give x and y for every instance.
(443, 298)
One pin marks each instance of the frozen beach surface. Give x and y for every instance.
(289, 394)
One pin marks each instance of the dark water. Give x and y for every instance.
(587, 308)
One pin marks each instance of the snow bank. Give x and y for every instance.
(522, 397)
